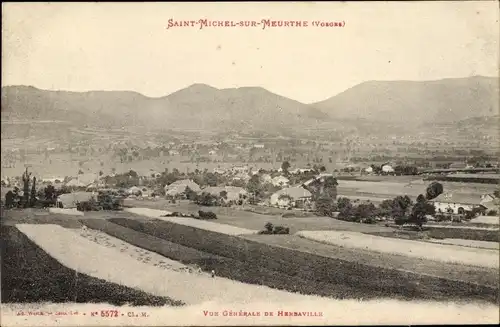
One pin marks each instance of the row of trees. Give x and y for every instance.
(402, 209)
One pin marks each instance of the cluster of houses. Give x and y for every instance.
(296, 196)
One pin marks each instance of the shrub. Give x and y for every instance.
(492, 213)
(270, 229)
(207, 215)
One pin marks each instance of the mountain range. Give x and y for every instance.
(202, 107)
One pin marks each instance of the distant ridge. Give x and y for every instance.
(444, 100)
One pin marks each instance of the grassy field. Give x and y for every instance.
(289, 254)
(255, 221)
(31, 275)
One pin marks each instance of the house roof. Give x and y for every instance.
(319, 178)
(70, 200)
(233, 192)
(294, 192)
(180, 187)
(460, 198)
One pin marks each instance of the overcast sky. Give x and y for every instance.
(126, 46)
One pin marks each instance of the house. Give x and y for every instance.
(233, 194)
(280, 181)
(297, 197)
(300, 170)
(70, 200)
(52, 180)
(259, 146)
(221, 171)
(134, 190)
(239, 169)
(173, 152)
(241, 177)
(177, 189)
(369, 170)
(457, 165)
(319, 178)
(387, 169)
(459, 203)
(212, 152)
(266, 178)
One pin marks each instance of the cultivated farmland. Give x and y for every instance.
(421, 250)
(316, 262)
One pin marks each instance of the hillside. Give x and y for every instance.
(193, 108)
(419, 102)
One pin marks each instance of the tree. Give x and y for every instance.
(345, 208)
(190, 194)
(365, 211)
(496, 193)
(253, 185)
(285, 166)
(207, 199)
(434, 190)
(325, 206)
(396, 208)
(50, 193)
(9, 199)
(33, 193)
(210, 179)
(26, 187)
(420, 210)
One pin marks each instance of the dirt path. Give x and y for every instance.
(202, 224)
(88, 257)
(423, 250)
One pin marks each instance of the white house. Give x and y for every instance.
(221, 171)
(459, 203)
(292, 196)
(369, 170)
(178, 188)
(266, 178)
(240, 169)
(281, 181)
(233, 193)
(387, 169)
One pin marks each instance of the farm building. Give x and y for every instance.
(134, 190)
(83, 180)
(297, 197)
(177, 189)
(70, 200)
(459, 165)
(239, 169)
(300, 170)
(281, 181)
(233, 194)
(387, 169)
(266, 178)
(460, 203)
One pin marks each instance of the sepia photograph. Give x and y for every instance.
(250, 163)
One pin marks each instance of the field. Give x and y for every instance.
(313, 261)
(421, 250)
(248, 268)
(113, 266)
(29, 275)
(255, 221)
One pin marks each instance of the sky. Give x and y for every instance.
(127, 46)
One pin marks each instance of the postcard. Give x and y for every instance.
(239, 164)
